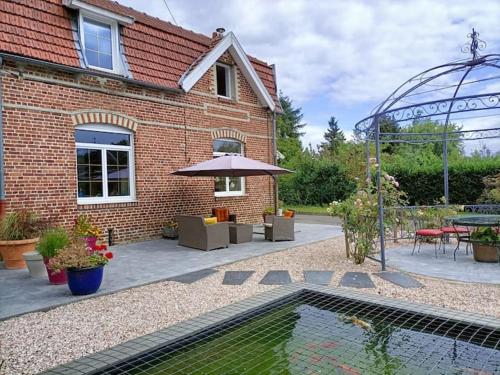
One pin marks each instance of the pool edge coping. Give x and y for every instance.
(140, 345)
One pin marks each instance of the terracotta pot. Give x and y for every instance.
(12, 252)
(484, 253)
(55, 278)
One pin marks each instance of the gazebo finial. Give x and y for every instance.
(475, 45)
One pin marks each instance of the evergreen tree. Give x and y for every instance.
(334, 137)
(289, 124)
(288, 131)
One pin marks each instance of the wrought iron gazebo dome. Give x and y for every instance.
(442, 91)
(460, 90)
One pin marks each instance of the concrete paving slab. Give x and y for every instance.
(276, 278)
(318, 277)
(401, 279)
(236, 277)
(464, 269)
(20, 294)
(357, 280)
(191, 277)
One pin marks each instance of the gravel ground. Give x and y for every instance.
(37, 341)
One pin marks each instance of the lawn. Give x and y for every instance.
(311, 210)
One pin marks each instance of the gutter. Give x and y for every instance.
(275, 146)
(2, 180)
(71, 69)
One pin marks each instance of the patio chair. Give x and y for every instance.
(425, 231)
(279, 228)
(194, 233)
(462, 234)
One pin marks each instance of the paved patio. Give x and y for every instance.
(146, 262)
(424, 263)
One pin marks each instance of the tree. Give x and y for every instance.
(288, 131)
(334, 137)
(289, 123)
(389, 125)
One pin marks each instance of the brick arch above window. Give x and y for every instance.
(109, 118)
(229, 133)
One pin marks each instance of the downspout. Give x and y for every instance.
(275, 146)
(2, 180)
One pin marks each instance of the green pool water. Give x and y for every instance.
(307, 337)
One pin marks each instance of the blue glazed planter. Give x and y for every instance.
(82, 281)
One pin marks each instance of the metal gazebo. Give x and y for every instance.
(466, 91)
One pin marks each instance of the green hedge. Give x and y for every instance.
(315, 182)
(426, 186)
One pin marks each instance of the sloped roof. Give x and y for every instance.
(157, 51)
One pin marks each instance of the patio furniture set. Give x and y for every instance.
(217, 232)
(462, 227)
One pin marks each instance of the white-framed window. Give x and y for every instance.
(228, 186)
(105, 164)
(224, 77)
(100, 42)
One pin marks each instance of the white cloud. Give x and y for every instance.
(345, 53)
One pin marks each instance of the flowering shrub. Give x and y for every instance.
(359, 215)
(85, 228)
(78, 255)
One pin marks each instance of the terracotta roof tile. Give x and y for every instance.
(157, 51)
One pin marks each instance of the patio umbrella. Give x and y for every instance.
(231, 166)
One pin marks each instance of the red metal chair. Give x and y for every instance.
(425, 232)
(462, 234)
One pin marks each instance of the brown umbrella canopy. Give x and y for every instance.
(231, 166)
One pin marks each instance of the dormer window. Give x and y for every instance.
(224, 80)
(100, 43)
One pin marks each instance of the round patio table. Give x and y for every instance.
(475, 221)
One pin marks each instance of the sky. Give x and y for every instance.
(340, 58)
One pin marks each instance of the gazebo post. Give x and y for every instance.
(380, 199)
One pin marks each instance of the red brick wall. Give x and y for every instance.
(173, 130)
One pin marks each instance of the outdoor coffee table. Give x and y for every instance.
(239, 233)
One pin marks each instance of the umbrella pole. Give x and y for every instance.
(275, 188)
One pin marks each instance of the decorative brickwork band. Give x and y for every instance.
(109, 118)
(229, 133)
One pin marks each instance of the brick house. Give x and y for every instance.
(100, 103)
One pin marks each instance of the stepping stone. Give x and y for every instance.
(400, 279)
(318, 277)
(276, 278)
(357, 280)
(189, 278)
(236, 277)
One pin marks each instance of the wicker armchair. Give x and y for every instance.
(193, 232)
(279, 228)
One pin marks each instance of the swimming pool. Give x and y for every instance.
(318, 330)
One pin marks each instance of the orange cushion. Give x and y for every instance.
(454, 230)
(221, 213)
(429, 232)
(288, 213)
(210, 220)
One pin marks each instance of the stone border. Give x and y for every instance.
(141, 345)
(229, 133)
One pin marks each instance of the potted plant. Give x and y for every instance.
(86, 229)
(84, 265)
(19, 232)
(170, 230)
(485, 245)
(51, 242)
(268, 211)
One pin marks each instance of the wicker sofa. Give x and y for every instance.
(193, 232)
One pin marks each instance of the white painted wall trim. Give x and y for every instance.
(78, 4)
(231, 44)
